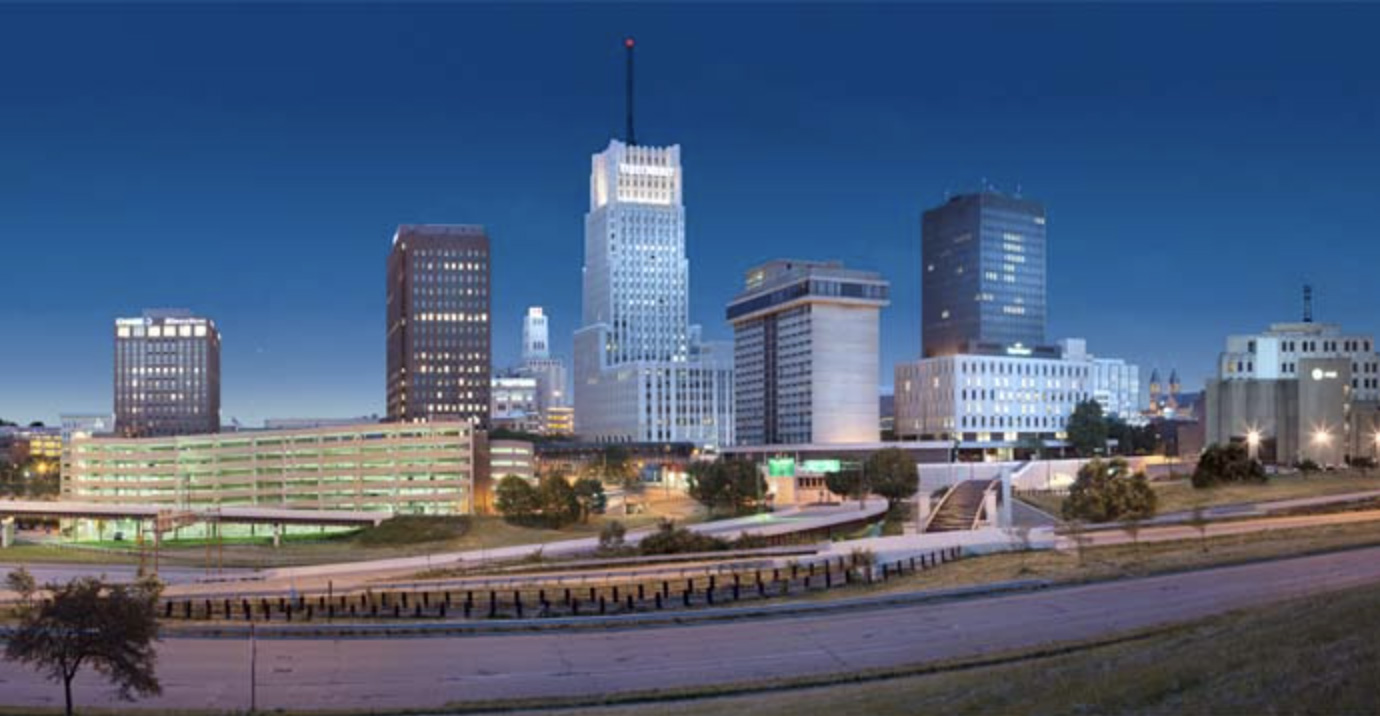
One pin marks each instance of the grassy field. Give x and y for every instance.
(1180, 495)
(1318, 655)
(413, 537)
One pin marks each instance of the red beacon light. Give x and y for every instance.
(628, 42)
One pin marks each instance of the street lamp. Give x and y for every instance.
(1321, 439)
(1253, 442)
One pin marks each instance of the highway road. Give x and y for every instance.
(1168, 533)
(429, 672)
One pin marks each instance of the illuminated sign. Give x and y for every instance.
(1319, 374)
(646, 170)
(781, 467)
(1017, 350)
(821, 466)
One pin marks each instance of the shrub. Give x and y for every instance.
(1105, 492)
(611, 538)
(670, 539)
(1223, 464)
(1307, 465)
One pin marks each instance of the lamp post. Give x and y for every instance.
(1253, 443)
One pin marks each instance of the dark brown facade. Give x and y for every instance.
(439, 351)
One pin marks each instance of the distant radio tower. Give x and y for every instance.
(1307, 303)
(632, 137)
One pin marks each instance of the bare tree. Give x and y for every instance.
(1078, 532)
(109, 627)
(1132, 528)
(1200, 522)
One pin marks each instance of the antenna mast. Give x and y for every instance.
(1307, 303)
(632, 138)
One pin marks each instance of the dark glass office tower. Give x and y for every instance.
(438, 324)
(983, 277)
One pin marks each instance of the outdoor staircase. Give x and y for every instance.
(960, 507)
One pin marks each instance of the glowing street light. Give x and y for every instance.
(1253, 442)
(1321, 436)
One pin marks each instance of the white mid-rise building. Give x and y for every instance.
(806, 336)
(1275, 355)
(1114, 383)
(639, 373)
(998, 401)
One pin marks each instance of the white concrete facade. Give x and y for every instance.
(640, 373)
(1275, 355)
(988, 399)
(806, 342)
(536, 335)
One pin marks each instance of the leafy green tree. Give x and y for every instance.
(88, 622)
(560, 505)
(892, 474)
(849, 485)
(516, 499)
(590, 493)
(1104, 491)
(1087, 429)
(733, 486)
(1131, 439)
(1227, 464)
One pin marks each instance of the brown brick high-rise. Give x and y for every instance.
(438, 324)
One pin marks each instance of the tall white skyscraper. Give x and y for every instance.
(639, 376)
(536, 343)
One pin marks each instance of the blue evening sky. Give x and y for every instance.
(250, 163)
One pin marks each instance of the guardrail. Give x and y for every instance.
(554, 600)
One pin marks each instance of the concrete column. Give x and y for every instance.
(922, 510)
(277, 534)
(990, 507)
(6, 532)
(1006, 520)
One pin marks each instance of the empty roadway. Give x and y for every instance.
(428, 672)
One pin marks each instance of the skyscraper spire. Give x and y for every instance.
(631, 136)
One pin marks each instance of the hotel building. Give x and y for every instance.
(167, 374)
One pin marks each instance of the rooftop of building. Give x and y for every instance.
(990, 197)
(778, 272)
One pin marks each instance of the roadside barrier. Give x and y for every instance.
(547, 600)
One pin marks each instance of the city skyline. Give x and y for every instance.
(1259, 171)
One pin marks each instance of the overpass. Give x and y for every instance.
(63, 509)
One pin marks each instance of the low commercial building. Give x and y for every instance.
(515, 405)
(796, 474)
(560, 421)
(1314, 416)
(398, 468)
(1297, 391)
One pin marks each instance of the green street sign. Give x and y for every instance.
(781, 467)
